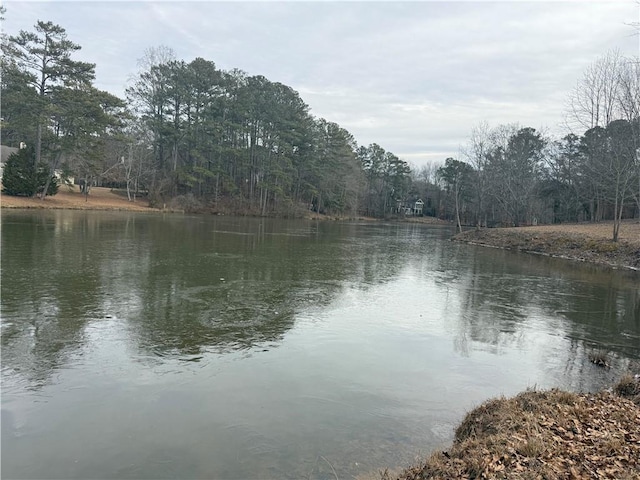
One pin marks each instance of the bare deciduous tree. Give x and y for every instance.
(606, 102)
(629, 100)
(476, 152)
(594, 100)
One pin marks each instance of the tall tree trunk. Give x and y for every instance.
(457, 195)
(87, 181)
(38, 145)
(175, 169)
(617, 215)
(264, 200)
(128, 169)
(51, 173)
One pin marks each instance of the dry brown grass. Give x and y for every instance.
(583, 242)
(99, 199)
(629, 387)
(551, 434)
(629, 230)
(599, 358)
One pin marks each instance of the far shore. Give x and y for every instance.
(105, 199)
(587, 242)
(536, 434)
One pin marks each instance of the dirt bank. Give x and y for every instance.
(583, 242)
(99, 199)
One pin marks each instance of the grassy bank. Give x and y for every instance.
(583, 242)
(102, 198)
(72, 199)
(547, 435)
(106, 199)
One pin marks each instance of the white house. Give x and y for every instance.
(5, 153)
(418, 206)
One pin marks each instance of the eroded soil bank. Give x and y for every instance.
(582, 242)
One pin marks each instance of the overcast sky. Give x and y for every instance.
(414, 77)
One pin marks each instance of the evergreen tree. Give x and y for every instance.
(44, 58)
(21, 178)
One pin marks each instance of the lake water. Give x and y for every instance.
(152, 346)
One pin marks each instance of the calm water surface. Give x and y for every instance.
(150, 346)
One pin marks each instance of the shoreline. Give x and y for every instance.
(544, 434)
(547, 434)
(587, 242)
(590, 243)
(106, 199)
(100, 199)
(554, 433)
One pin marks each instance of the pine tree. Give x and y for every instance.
(21, 178)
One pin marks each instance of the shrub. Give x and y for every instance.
(599, 358)
(187, 203)
(629, 387)
(21, 178)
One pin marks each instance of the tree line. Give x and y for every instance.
(188, 130)
(516, 175)
(230, 140)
